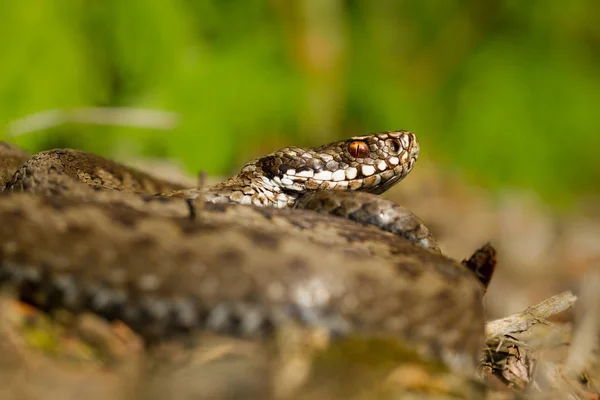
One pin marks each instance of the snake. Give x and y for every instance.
(300, 235)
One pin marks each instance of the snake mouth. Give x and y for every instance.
(390, 182)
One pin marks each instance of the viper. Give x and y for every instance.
(259, 250)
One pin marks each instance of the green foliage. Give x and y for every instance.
(505, 89)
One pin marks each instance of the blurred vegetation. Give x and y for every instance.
(505, 90)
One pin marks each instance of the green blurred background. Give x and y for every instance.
(505, 91)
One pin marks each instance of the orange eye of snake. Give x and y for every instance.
(358, 149)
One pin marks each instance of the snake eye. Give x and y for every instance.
(358, 149)
(394, 145)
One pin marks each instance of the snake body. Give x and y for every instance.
(246, 255)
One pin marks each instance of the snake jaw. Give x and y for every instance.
(371, 163)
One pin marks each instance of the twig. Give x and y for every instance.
(535, 314)
(123, 116)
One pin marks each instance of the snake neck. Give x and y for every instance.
(250, 188)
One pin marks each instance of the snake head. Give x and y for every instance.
(371, 163)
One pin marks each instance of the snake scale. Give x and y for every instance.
(242, 257)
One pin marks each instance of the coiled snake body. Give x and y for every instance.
(88, 234)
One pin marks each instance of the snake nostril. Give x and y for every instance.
(394, 145)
